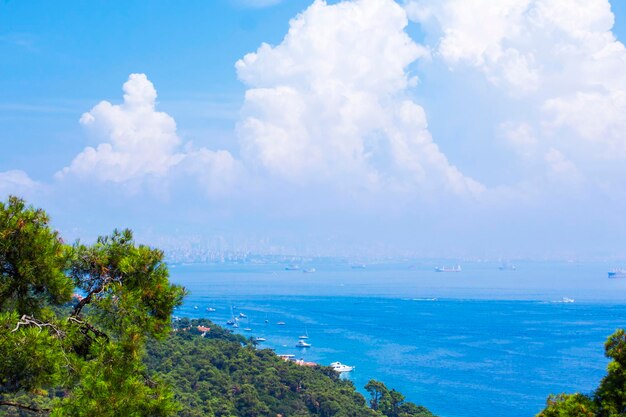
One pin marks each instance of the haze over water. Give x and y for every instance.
(481, 342)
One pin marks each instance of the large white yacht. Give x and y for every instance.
(340, 367)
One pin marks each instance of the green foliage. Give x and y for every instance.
(116, 384)
(31, 358)
(611, 394)
(569, 405)
(127, 286)
(84, 358)
(609, 400)
(32, 260)
(391, 402)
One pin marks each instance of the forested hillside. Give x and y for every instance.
(222, 374)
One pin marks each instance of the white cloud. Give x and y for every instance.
(524, 45)
(330, 102)
(560, 168)
(520, 136)
(16, 182)
(594, 117)
(141, 143)
(558, 60)
(217, 172)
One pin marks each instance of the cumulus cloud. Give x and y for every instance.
(16, 182)
(331, 103)
(556, 59)
(139, 140)
(141, 143)
(523, 45)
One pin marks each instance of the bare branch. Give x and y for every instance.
(31, 321)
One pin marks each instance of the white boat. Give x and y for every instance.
(247, 329)
(260, 339)
(448, 268)
(567, 300)
(309, 270)
(340, 367)
(281, 323)
(243, 316)
(210, 309)
(302, 344)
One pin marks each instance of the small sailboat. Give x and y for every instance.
(305, 335)
(233, 321)
(248, 328)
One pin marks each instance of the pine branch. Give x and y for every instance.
(25, 407)
(86, 327)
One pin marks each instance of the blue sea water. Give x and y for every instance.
(481, 342)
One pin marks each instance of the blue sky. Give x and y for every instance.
(427, 128)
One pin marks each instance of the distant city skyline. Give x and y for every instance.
(359, 128)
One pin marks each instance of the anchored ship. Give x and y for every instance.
(448, 268)
(617, 273)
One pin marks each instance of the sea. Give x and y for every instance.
(479, 342)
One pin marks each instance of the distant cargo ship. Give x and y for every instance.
(448, 268)
(617, 273)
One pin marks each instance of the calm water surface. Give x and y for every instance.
(492, 343)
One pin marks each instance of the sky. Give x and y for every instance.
(423, 128)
